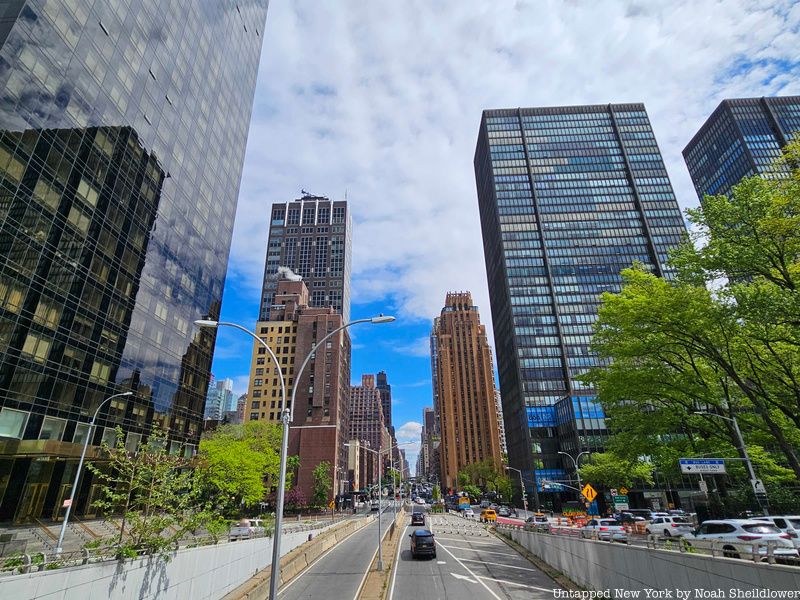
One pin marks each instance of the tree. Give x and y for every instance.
(238, 463)
(473, 491)
(322, 483)
(721, 335)
(611, 471)
(156, 493)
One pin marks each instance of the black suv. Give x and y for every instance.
(417, 518)
(422, 543)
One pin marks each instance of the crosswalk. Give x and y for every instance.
(446, 523)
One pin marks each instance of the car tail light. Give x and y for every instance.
(792, 534)
(785, 536)
(674, 524)
(604, 529)
(749, 538)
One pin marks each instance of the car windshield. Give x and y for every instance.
(795, 522)
(681, 521)
(760, 528)
(609, 522)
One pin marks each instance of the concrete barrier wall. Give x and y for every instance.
(203, 573)
(601, 566)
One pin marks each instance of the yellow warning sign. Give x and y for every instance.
(589, 492)
(331, 504)
(623, 491)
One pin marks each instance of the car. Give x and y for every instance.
(790, 525)
(468, 513)
(374, 505)
(669, 526)
(419, 501)
(537, 522)
(503, 512)
(485, 504)
(422, 543)
(488, 516)
(735, 538)
(246, 529)
(417, 518)
(645, 513)
(626, 518)
(609, 530)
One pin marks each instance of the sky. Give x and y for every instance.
(380, 102)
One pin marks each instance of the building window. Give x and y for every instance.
(52, 429)
(12, 422)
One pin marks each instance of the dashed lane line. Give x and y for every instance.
(481, 550)
(504, 582)
(501, 545)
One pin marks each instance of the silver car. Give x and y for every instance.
(741, 538)
(609, 530)
(669, 526)
(790, 525)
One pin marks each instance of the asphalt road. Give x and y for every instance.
(338, 574)
(470, 565)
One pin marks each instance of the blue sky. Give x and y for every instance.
(382, 101)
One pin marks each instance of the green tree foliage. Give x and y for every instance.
(485, 475)
(393, 476)
(322, 483)
(156, 493)
(606, 469)
(722, 336)
(238, 463)
(473, 491)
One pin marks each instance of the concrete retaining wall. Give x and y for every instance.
(204, 573)
(596, 565)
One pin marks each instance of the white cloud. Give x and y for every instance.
(384, 99)
(419, 347)
(409, 432)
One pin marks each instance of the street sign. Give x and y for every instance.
(549, 486)
(703, 486)
(331, 504)
(623, 491)
(589, 492)
(593, 509)
(621, 502)
(614, 492)
(758, 486)
(702, 465)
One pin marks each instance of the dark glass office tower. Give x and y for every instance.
(122, 134)
(568, 197)
(742, 137)
(385, 388)
(312, 237)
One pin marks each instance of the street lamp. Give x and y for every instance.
(575, 462)
(743, 448)
(286, 418)
(59, 547)
(521, 485)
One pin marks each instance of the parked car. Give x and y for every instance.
(503, 512)
(468, 513)
(609, 530)
(422, 543)
(736, 537)
(669, 526)
(790, 525)
(246, 529)
(488, 516)
(417, 518)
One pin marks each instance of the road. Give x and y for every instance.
(470, 564)
(338, 574)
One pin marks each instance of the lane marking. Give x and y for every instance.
(441, 537)
(468, 570)
(533, 587)
(440, 562)
(481, 550)
(483, 562)
(464, 577)
(396, 562)
(369, 564)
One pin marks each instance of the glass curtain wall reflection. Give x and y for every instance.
(122, 135)
(568, 197)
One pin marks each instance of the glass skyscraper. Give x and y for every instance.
(568, 197)
(742, 137)
(122, 136)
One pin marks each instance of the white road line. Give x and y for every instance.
(503, 581)
(468, 570)
(397, 562)
(369, 564)
(481, 550)
(497, 564)
(501, 545)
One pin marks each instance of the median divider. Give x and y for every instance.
(298, 560)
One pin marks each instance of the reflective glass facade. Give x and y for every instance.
(742, 137)
(123, 128)
(568, 197)
(312, 237)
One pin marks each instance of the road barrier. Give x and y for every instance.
(601, 566)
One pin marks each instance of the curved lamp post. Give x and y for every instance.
(575, 462)
(286, 418)
(59, 545)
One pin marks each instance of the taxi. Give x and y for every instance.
(488, 515)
